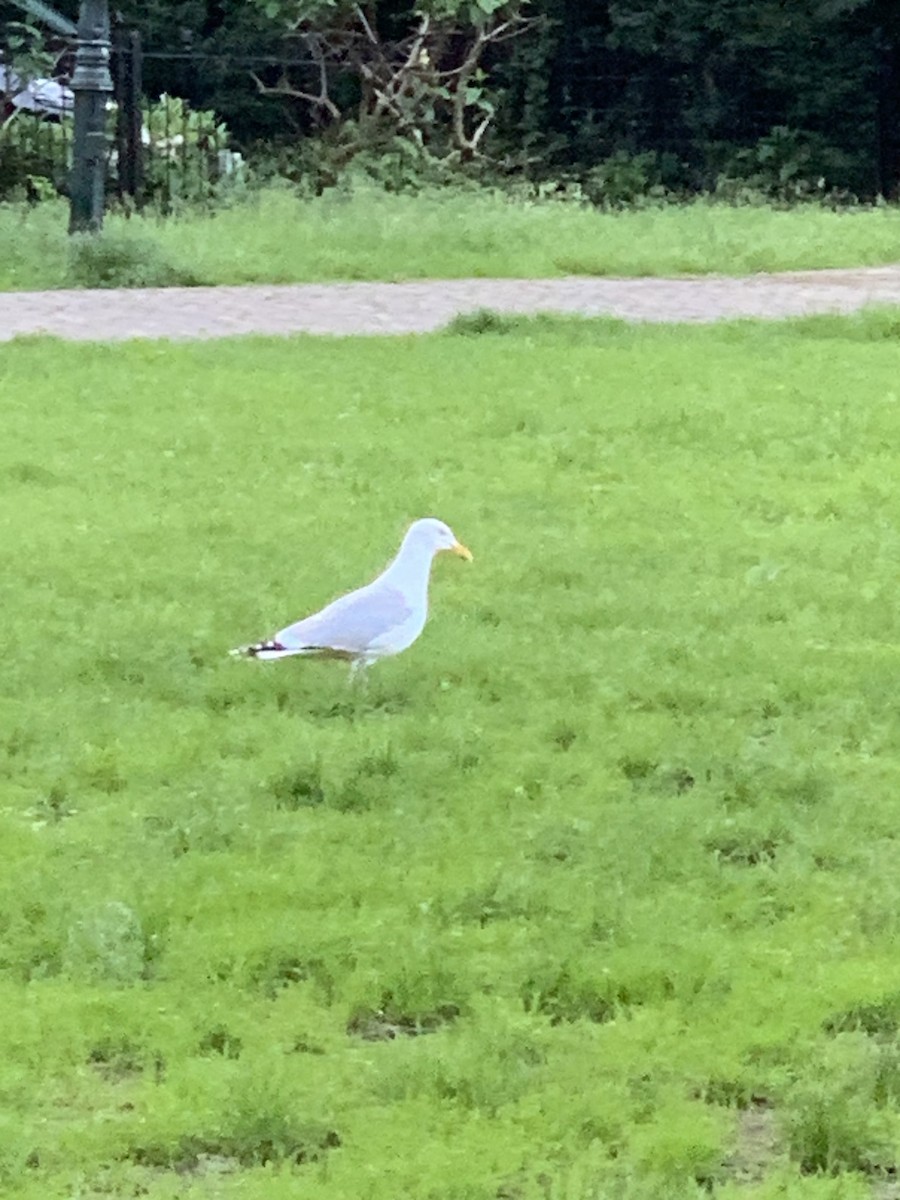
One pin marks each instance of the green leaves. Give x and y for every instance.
(468, 12)
(306, 12)
(327, 14)
(479, 10)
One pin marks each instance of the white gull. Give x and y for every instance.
(375, 621)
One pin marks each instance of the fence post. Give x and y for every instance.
(91, 83)
(128, 65)
(130, 119)
(887, 115)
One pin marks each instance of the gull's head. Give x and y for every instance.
(436, 536)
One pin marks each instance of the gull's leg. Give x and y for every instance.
(358, 671)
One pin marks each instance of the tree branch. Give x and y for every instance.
(364, 21)
(425, 85)
(283, 88)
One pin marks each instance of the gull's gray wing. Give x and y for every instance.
(351, 624)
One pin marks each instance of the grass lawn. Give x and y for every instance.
(592, 893)
(277, 238)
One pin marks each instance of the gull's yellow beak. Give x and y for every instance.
(462, 551)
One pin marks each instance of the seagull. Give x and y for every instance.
(375, 621)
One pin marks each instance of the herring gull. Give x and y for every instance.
(375, 621)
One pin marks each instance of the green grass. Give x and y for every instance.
(277, 238)
(592, 893)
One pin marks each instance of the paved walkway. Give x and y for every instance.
(373, 308)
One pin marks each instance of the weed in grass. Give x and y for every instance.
(573, 996)
(567, 843)
(746, 846)
(835, 1122)
(260, 1122)
(880, 1019)
(280, 969)
(112, 260)
(120, 1059)
(99, 768)
(387, 1022)
(494, 901)
(357, 789)
(34, 474)
(218, 1040)
(564, 736)
(106, 943)
(481, 320)
(300, 788)
(54, 806)
(258, 1140)
(367, 782)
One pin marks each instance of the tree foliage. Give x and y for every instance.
(705, 83)
(417, 70)
(675, 94)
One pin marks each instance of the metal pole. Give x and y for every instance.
(91, 83)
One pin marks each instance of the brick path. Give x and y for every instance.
(372, 308)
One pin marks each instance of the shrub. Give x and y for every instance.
(624, 179)
(111, 260)
(187, 155)
(35, 157)
(785, 164)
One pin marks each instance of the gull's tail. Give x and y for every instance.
(267, 650)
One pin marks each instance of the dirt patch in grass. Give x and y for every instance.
(758, 1144)
(202, 1155)
(385, 1024)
